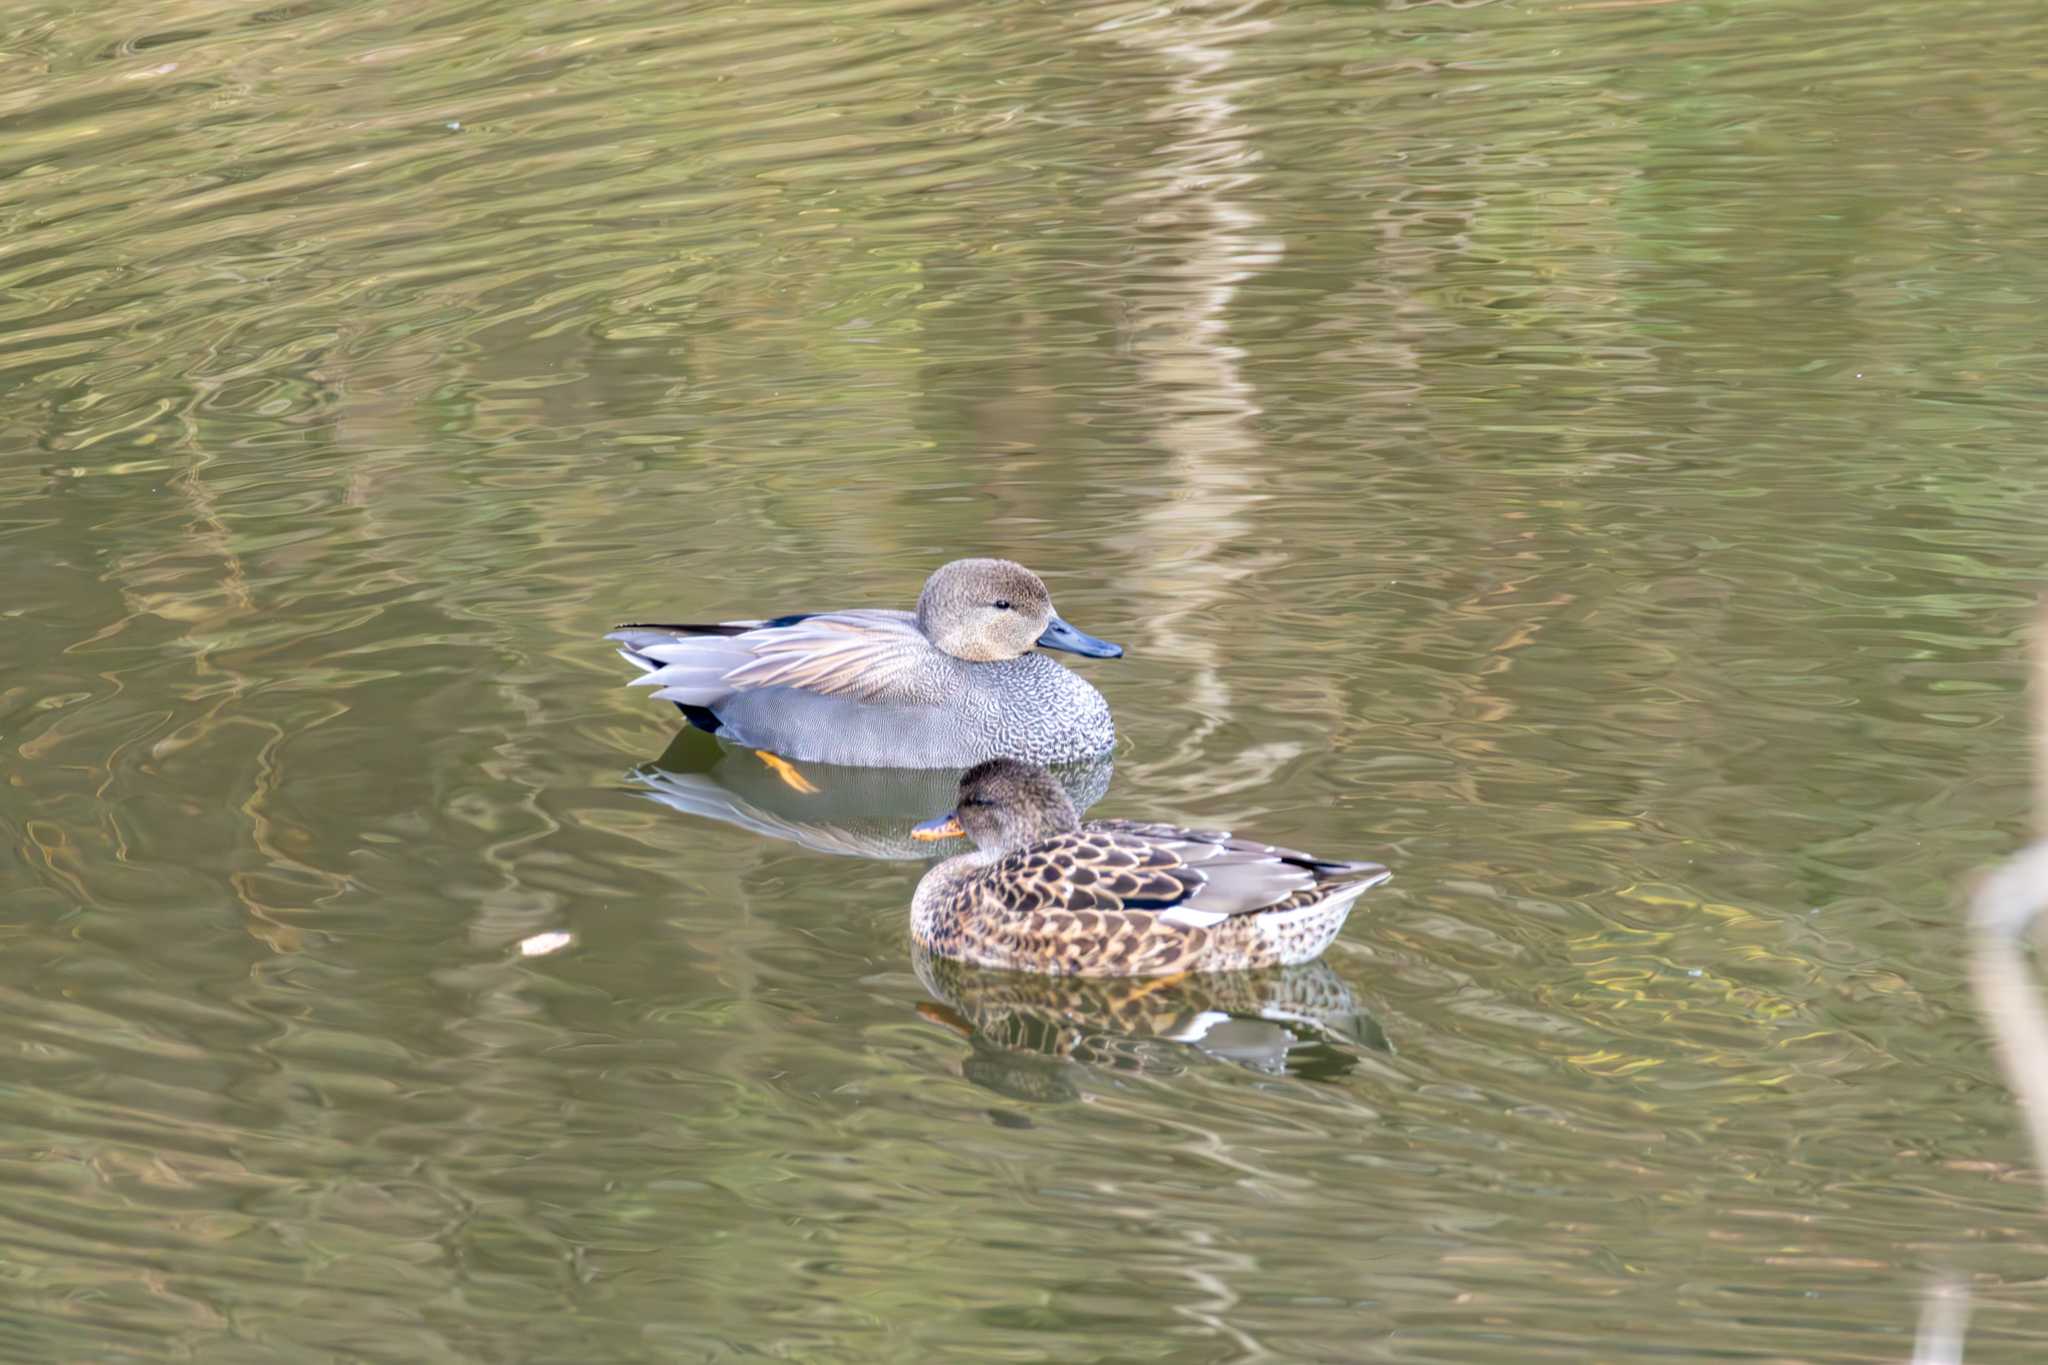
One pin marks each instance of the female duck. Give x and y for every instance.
(953, 683)
(1045, 893)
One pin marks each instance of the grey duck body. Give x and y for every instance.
(954, 683)
(949, 714)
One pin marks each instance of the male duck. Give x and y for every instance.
(1046, 893)
(953, 683)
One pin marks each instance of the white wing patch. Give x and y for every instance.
(1189, 917)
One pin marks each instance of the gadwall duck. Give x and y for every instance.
(950, 684)
(1043, 892)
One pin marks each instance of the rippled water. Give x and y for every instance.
(1586, 455)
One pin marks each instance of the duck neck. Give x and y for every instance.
(934, 905)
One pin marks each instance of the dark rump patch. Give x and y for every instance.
(712, 627)
(684, 627)
(702, 717)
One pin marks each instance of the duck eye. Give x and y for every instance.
(1002, 604)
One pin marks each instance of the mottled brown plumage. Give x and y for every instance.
(1046, 893)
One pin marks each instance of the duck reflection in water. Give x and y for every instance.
(855, 812)
(1028, 1029)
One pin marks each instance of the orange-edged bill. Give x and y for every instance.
(945, 826)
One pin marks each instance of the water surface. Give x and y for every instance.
(1583, 455)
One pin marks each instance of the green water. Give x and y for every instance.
(1586, 456)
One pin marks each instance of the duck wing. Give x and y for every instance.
(1118, 898)
(1236, 876)
(1203, 845)
(1085, 901)
(865, 655)
(1192, 878)
(1090, 868)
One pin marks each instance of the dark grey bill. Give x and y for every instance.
(1060, 635)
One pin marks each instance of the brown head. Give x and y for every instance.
(1005, 804)
(983, 610)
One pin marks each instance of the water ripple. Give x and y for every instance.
(1585, 456)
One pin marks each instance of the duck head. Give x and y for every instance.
(1004, 804)
(983, 610)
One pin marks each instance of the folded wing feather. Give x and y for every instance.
(867, 655)
(1218, 876)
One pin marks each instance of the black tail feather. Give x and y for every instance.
(712, 628)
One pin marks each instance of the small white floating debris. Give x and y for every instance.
(540, 945)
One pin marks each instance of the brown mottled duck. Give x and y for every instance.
(1043, 892)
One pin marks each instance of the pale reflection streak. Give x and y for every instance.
(1944, 1318)
(378, 426)
(209, 616)
(2005, 911)
(1179, 335)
